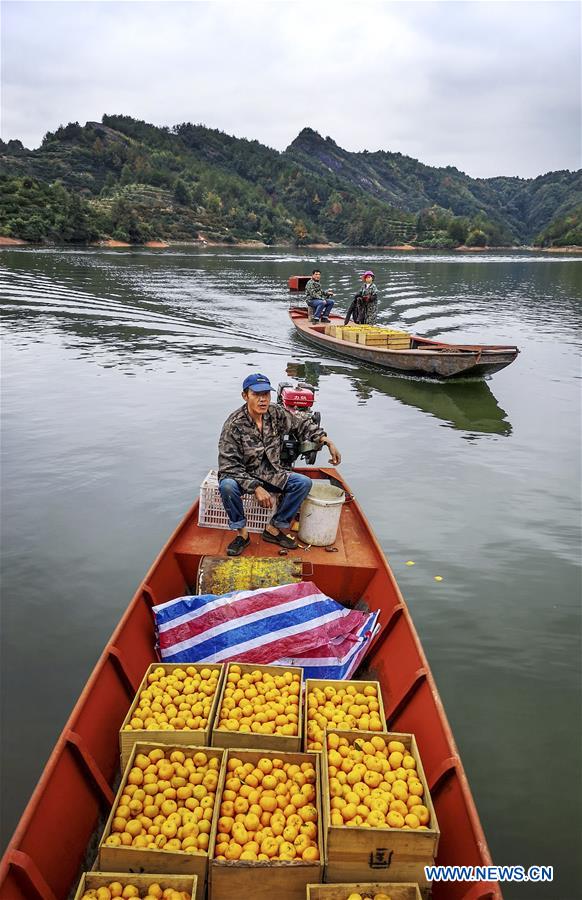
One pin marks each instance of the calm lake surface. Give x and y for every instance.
(119, 368)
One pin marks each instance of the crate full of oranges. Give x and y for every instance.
(269, 839)
(341, 704)
(376, 806)
(364, 891)
(174, 704)
(163, 818)
(110, 885)
(260, 706)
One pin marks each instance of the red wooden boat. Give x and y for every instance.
(49, 847)
(430, 359)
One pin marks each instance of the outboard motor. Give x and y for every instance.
(299, 400)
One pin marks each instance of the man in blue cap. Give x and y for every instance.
(249, 462)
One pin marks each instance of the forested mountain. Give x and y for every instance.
(127, 180)
(521, 207)
(563, 231)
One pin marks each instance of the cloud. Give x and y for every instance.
(490, 87)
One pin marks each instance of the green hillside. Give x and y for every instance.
(519, 207)
(130, 181)
(563, 231)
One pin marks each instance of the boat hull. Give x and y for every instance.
(48, 850)
(429, 359)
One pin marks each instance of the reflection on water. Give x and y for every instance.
(468, 406)
(119, 368)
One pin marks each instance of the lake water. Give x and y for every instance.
(119, 368)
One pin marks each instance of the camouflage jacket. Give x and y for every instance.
(369, 292)
(314, 292)
(253, 458)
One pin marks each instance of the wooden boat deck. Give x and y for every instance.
(47, 851)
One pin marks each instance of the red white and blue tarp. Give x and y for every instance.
(292, 624)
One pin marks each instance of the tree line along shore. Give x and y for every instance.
(125, 182)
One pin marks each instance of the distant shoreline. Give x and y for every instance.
(259, 245)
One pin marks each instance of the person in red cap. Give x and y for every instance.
(364, 307)
(249, 462)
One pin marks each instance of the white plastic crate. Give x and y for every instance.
(212, 514)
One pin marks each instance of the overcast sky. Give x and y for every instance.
(490, 87)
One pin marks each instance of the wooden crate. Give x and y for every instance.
(137, 859)
(385, 854)
(381, 339)
(269, 880)
(323, 683)
(189, 736)
(233, 739)
(395, 891)
(369, 339)
(93, 880)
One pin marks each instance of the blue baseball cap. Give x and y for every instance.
(257, 383)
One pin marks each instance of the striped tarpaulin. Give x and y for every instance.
(289, 622)
(341, 657)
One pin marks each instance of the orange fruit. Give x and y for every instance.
(349, 811)
(234, 851)
(241, 805)
(395, 819)
(269, 847)
(268, 803)
(287, 850)
(415, 788)
(395, 759)
(310, 829)
(252, 822)
(376, 819)
(308, 813)
(399, 807)
(422, 813)
(225, 824)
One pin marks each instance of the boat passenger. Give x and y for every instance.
(364, 307)
(249, 461)
(317, 299)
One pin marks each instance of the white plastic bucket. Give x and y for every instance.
(320, 514)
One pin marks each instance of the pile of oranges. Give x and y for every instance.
(268, 812)
(349, 706)
(167, 802)
(260, 702)
(117, 889)
(374, 783)
(179, 700)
